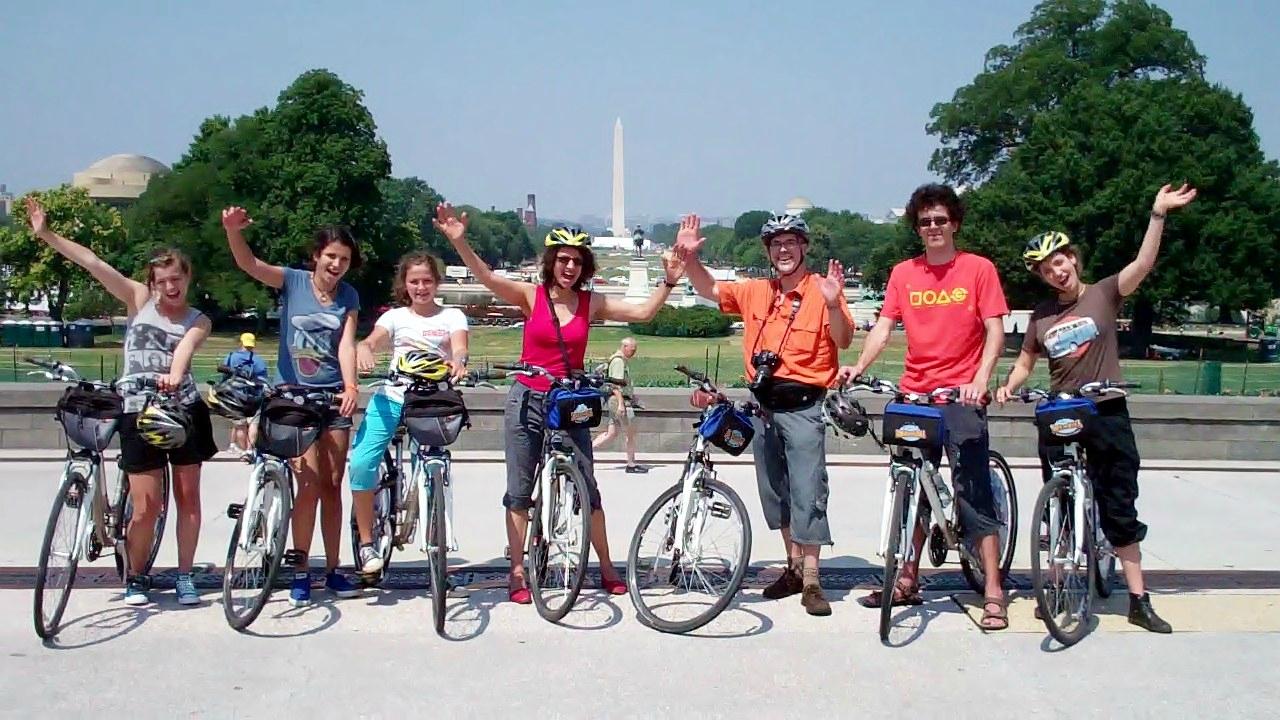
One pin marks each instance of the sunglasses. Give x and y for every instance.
(935, 221)
(568, 260)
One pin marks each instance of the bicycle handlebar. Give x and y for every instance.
(1093, 389)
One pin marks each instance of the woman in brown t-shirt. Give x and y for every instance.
(1077, 331)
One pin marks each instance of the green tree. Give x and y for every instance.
(404, 224)
(313, 159)
(1065, 43)
(33, 270)
(748, 224)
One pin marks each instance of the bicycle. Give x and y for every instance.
(78, 530)
(912, 429)
(558, 541)
(685, 558)
(1072, 558)
(286, 429)
(426, 501)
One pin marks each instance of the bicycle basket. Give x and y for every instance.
(89, 416)
(1065, 421)
(286, 429)
(573, 409)
(912, 425)
(727, 428)
(434, 419)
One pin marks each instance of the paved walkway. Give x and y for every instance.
(1214, 540)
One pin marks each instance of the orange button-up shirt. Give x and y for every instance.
(808, 353)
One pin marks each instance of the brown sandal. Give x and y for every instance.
(1001, 617)
(902, 597)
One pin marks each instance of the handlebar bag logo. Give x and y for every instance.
(930, 298)
(1066, 427)
(910, 433)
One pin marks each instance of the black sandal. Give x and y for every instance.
(902, 597)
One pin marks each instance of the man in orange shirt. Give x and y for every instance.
(952, 307)
(794, 326)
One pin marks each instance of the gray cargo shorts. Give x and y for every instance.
(790, 450)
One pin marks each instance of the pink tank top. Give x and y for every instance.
(543, 349)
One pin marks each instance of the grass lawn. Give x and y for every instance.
(655, 358)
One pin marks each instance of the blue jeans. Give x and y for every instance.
(381, 418)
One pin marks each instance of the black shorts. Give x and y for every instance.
(138, 455)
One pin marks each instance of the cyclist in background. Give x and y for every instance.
(1077, 331)
(558, 315)
(419, 331)
(952, 307)
(318, 350)
(251, 364)
(163, 335)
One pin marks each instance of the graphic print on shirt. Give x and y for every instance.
(312, 342)
(932, 298)
(151, 349)
(1070, 337)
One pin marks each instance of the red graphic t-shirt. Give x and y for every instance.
(943, 308)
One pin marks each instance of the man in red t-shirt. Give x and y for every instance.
(951, 306)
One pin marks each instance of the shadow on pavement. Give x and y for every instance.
(318, 616)
(100, 627)
(590, 601)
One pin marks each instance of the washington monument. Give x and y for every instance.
(619, 223)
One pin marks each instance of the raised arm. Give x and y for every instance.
(187, 346)
(688, 244)
(454, 228)
(234, 221)
(604, 307)
(832, 287)
(1132, 275)
(130, 292)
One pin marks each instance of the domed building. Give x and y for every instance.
(119, 179)
(798, 205)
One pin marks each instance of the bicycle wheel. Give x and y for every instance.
(1061, 583)
(676, 592)
(558, 554)
(1005, 495)
(56, 573)
(382, 534)
(252, 565)
(122, 505)
(437, 549)
(897, 549)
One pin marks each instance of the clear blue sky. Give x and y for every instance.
(727, 106)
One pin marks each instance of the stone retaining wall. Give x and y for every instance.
(1168, 427)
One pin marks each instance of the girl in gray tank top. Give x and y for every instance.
(149, 344)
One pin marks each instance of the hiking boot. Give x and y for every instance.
(787, 584)
(814, 602)
(1144, 616)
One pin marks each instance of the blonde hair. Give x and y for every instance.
(164, 258)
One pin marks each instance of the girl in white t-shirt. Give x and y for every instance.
(419, 324)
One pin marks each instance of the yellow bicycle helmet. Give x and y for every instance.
(164, 424)
(423, 365)
(1042, 246)
(562, 235)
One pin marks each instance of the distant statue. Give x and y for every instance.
(637, 239)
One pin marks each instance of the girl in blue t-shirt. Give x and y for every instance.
(317, 349)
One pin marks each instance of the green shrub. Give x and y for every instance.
(686, 322)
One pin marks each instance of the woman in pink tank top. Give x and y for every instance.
(567, 266)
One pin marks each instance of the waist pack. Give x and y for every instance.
(782, 395)
(727, 428)
(89, 416)
(911, 425)
(287, 429)
(436, 418)
(1061, 422)
(573, 409)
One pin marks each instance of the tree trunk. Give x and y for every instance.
(56, 304)
(1144, 318)
(1224, 314)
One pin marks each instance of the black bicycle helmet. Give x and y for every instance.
(164, 424)
(235, 398)
(844, 414)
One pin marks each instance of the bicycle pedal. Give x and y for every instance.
(721, 510)
(234, 510)
(294, 557)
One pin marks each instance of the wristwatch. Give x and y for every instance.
(668, 283)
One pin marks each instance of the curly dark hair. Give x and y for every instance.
(549, 265)
(932, 194)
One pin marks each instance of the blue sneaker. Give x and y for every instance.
(300, 590)
(185, 588)
(338, 584)
(135, 590)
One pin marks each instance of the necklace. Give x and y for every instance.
(325, 296)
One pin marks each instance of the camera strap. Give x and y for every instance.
(555, 320)
(795, 309)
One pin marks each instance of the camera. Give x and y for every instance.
(765, 362)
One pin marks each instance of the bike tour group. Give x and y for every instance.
(695, 540)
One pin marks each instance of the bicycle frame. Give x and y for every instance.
(256, 484)
(88, 520)
(913, 461)
(697, 467)
(431, 465)
(1083, 504)
(554, 457)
